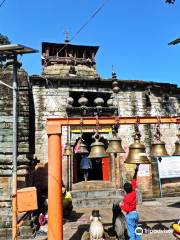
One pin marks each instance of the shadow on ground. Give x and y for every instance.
(159, 221)
(82, 232)
(175, 205)
(73, 217)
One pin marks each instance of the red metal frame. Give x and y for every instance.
(54, 128)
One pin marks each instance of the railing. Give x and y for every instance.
(69, 60)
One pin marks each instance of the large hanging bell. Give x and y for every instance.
(177, 149)
(177, 145)
(137, 152)
(82, 149)
(115, 146)
(97, 149)
(68, 150)
(159, 149)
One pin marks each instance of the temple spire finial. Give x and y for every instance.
(113, 73)
(66, 37)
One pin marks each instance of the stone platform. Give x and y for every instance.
(95, 194)
(157, 216)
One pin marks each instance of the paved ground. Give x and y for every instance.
(156, 218)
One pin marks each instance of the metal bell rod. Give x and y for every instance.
(57, 123)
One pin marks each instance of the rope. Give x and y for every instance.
(86, 23)
(2, 3)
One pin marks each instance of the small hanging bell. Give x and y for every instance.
(82, 149)
(114, 145)
(97, 149)
(177, 145)
(68, 150)
(137, 152)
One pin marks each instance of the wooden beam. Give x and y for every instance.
(54, 124)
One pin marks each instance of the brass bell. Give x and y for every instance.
(177, 145)
(115, 146)
(97, 149)
(137, 152)
(159, 149)
(68, 150)
(82, 149)
(177, 149)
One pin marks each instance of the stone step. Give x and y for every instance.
(103, 202)
(98, 198)
(92, 185)
(5, 233)
(103, 193)
(26, 232)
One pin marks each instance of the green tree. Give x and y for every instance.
(4, 39)
(170, 1)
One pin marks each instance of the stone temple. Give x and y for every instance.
(70, 86)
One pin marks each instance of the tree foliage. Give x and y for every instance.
(170, 1)
(4, 39)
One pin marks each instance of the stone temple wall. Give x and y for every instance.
(152, 103)
(25, 142)
(46, 97)
(49, 101)
(134, 99)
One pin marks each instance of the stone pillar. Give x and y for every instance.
(117, 171)
(24, 145)
(112, 167)
(155, 178)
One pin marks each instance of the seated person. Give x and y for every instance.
(67, 202)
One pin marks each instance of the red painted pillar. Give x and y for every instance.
(105, 165)
(55, 207)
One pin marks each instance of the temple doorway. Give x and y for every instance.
(100, 167)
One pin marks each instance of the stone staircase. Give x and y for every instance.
(95, 194)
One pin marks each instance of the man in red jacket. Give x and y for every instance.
(129, 206)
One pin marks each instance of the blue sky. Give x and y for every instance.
(132, 35)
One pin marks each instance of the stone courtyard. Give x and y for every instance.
(156, 218)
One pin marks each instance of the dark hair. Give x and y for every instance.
(95, 213)
(128, 187)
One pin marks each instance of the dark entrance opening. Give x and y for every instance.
(96, 173)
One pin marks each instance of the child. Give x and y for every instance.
(129, 206)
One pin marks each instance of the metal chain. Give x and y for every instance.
(97, 124)
(81, 127)
(115, 127)
(158, 134)
(136, 126)
(67, 130)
